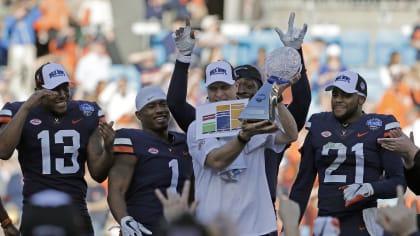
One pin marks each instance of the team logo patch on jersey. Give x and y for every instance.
(374, 123)
(86, 109)
(326, 134)
(153, 150)
(35, 121)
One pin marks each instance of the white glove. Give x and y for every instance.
(354, 193)
(130, 227)
(184, 42)
(294, 36)
(326, 226)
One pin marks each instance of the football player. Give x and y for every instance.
(55, 137)
(353, 170)
(145, 160)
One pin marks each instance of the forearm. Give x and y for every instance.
(301, 93)
(182, 112)
(220, 158)
(100, 159)
(412, 175)
(290, 132)
(116, 202)
(99, 166)
(10, 133)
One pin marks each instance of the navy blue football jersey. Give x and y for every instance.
(52, 150)
(346, 155)
(159, 165)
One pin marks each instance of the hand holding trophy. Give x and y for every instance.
(282, 66)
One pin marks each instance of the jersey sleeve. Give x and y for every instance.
(301, 93)
(302, 187)
(183, 112)
(6, 114)
(392, 164)
(123, 143)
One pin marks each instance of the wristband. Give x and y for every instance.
(240, 139)
(6, 222)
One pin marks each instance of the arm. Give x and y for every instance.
(301, 93)
(399, 220)
(289, 215)
(182, 111)
(100, 153)
(289, 132)
(11, 132)
(119, 181)
(302, 187)
(221, 157)
(394, 172)
(8, 228)
(412, 175)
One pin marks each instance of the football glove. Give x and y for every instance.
(294, 36)
(354, 193)
(130, 227)
(326, 226)
(184, 42)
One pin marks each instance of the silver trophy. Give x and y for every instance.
(282, 65)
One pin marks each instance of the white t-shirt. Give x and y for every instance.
(246, 202)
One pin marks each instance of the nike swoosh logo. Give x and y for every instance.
(73, 122)
(359, 135)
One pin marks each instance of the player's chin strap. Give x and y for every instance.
(369, 217)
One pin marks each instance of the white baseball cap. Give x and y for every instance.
(219, 71)
(349, 82)
(147, 95)
(51, 75)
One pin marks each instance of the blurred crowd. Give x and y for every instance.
(80, 36)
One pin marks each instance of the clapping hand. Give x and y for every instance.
(294, 36)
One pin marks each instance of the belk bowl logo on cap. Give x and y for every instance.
(218, 71)
(343, 78)
(56, 73)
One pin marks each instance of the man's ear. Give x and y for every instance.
(362, 99)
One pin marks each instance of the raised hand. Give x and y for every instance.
(294, 36)
(184, 41)
(175, 205)
(399, 220)
(108, 134)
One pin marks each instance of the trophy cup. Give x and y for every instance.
(282, 65)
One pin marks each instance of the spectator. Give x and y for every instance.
(19, 37)
(92, 68)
